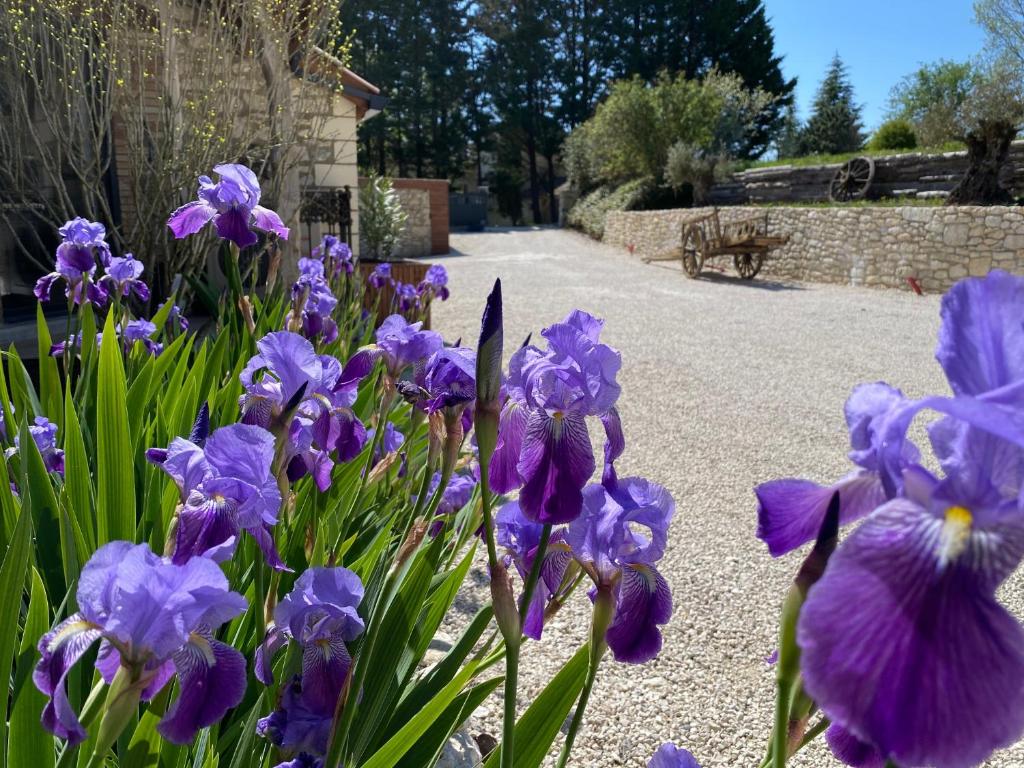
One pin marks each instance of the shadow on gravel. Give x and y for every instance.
(759, 283)
(711, 275)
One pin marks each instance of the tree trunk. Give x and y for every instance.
(552, 199)
(988, 148)
(531, 151)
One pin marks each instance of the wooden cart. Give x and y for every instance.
(706, 237)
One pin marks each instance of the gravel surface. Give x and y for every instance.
(725, 384)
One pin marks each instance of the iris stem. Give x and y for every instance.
(514, 645)
(601, 619)
(508, 722)
(485, 503)
(812, 733)
(780, 737)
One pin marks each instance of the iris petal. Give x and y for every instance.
(790, 512)
(211, 676)
(851, 750)
(555, 464)
(643, 602)
(61, 648)
(325, 665)
(930, 667)
(233, 225)
(190, 218)
(511, 428)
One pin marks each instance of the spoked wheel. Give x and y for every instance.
(748, 264)
(852, 181)
(693, 251)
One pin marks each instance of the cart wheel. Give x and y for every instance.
(693, 252)
(748, 264)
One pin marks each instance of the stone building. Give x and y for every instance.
(324, 100)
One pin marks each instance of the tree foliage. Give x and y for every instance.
(518, 76)
(633, 130)
(931, 98)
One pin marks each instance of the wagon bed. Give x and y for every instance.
(706, 237)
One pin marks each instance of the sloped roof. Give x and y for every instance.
(365, 95)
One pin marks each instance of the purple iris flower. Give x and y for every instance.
(605, 541)
(400, 344)
(232, 203)
(319, 615)
(929, 668)
(122, 278)
(175, 318)
(391, 441)
(313, 302)
(83, 242)
(543, 442)
(407, 297)
(790, 512)
(288, 375)
(44, 435)
(435, 283)
(58, 348)
(457, 493)
(335, 255)
(226, 486)
(155, 620)
(380, 276)
(140, 330)
(449, 379)
(671, 756)
(520, 537)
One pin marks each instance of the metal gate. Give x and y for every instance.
(468, 210)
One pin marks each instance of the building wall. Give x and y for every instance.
(870, 246)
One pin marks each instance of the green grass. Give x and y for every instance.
(799, 162)
(885, 202)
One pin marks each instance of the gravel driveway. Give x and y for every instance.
(725, 384)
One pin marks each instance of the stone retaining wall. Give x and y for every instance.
(873, 246)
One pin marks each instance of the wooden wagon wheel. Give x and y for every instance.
(852, 180)
(693, 250)
(748, 264)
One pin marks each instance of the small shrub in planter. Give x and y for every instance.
(381, 218)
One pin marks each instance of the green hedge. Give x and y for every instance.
(587, 215)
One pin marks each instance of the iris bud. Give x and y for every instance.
(121, 706)
(506, 612)
(488, 374)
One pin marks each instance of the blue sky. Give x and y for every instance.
(880, 41)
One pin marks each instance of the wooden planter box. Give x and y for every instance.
(402, 271)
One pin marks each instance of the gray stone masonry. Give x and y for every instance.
(863, 246)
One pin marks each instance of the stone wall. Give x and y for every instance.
(415, 238)
(872, 246)
(906, 175)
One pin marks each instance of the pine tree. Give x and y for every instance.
(418, 53)
(835, 124)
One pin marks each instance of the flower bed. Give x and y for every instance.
(246, 543)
